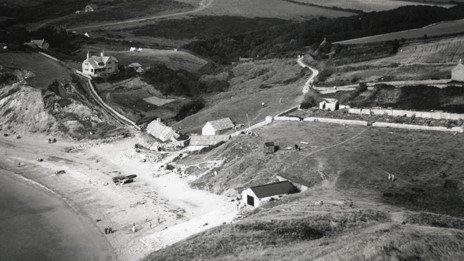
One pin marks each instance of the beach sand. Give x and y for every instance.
(162, 206)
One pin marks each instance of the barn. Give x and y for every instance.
(255, 196)
(457, 74)
(217, 127)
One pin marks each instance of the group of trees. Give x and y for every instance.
(287, 39)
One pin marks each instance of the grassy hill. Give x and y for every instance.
(363, 216)
(367, 6)
(276, 82)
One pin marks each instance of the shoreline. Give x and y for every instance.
(157, 202)
(101, 248)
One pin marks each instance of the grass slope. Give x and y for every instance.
(363, 216)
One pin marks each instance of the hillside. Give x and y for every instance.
(432, 30)
(59, 109)
(367, 6)
(363, 215)
(275, 82)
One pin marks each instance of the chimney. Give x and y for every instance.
(88, 55)
(102, 53)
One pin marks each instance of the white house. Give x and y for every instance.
(198, 142)
(457, 74)
(256, 196)
(162, 132)
(217, 127)
(329, 104)
(99, 66)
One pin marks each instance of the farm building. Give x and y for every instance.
(269, 147)
(90, 8)
(217, 127)
(329, 104)
(457, 74)
(162, 132)
(136, 66)
(255, 196)
(198, 142)
(99, 66)
(38, 44)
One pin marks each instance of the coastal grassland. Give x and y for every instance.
(433, 30)
(121, 10)
(274, 82)
(349, 159)
(364, 215)
(44, 69)
(367, 6)
(268, 8)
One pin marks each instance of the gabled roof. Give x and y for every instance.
(100, 61)
(221, 124)
(459, 67)
(134, 65)
(274, 189)
(160, 131)
(209, 140)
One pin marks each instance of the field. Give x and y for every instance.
(367, 6)
(444, 51)
(415, 60)
(45, 69)
(277, 83)
(434, 30)
(268, 8)
(173, 59)
(363, 214)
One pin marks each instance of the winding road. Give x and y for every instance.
(314, 72)
(203, 5)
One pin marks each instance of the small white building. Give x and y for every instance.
(457, 73)
(90, 8)
(329, 104)
(217, 127)
(99, 66)
(162, 132)
(256, 196)
(198, 142)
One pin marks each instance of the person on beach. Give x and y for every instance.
(133, 228)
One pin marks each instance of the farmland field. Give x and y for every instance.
(367, 6)
(439, 29)
(171, 58)
(268, 8)
(445, 51)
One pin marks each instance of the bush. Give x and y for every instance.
(311, 99)
(7, 78)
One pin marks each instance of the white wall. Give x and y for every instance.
(457, 75)
(208, 130)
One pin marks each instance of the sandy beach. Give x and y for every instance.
(160, 203)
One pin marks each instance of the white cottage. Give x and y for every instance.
(99, 66)
(255, 196)
(457, 74)
(162, 132)
(217, 127)
(329, 104)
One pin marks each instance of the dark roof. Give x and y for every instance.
(273, 189)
